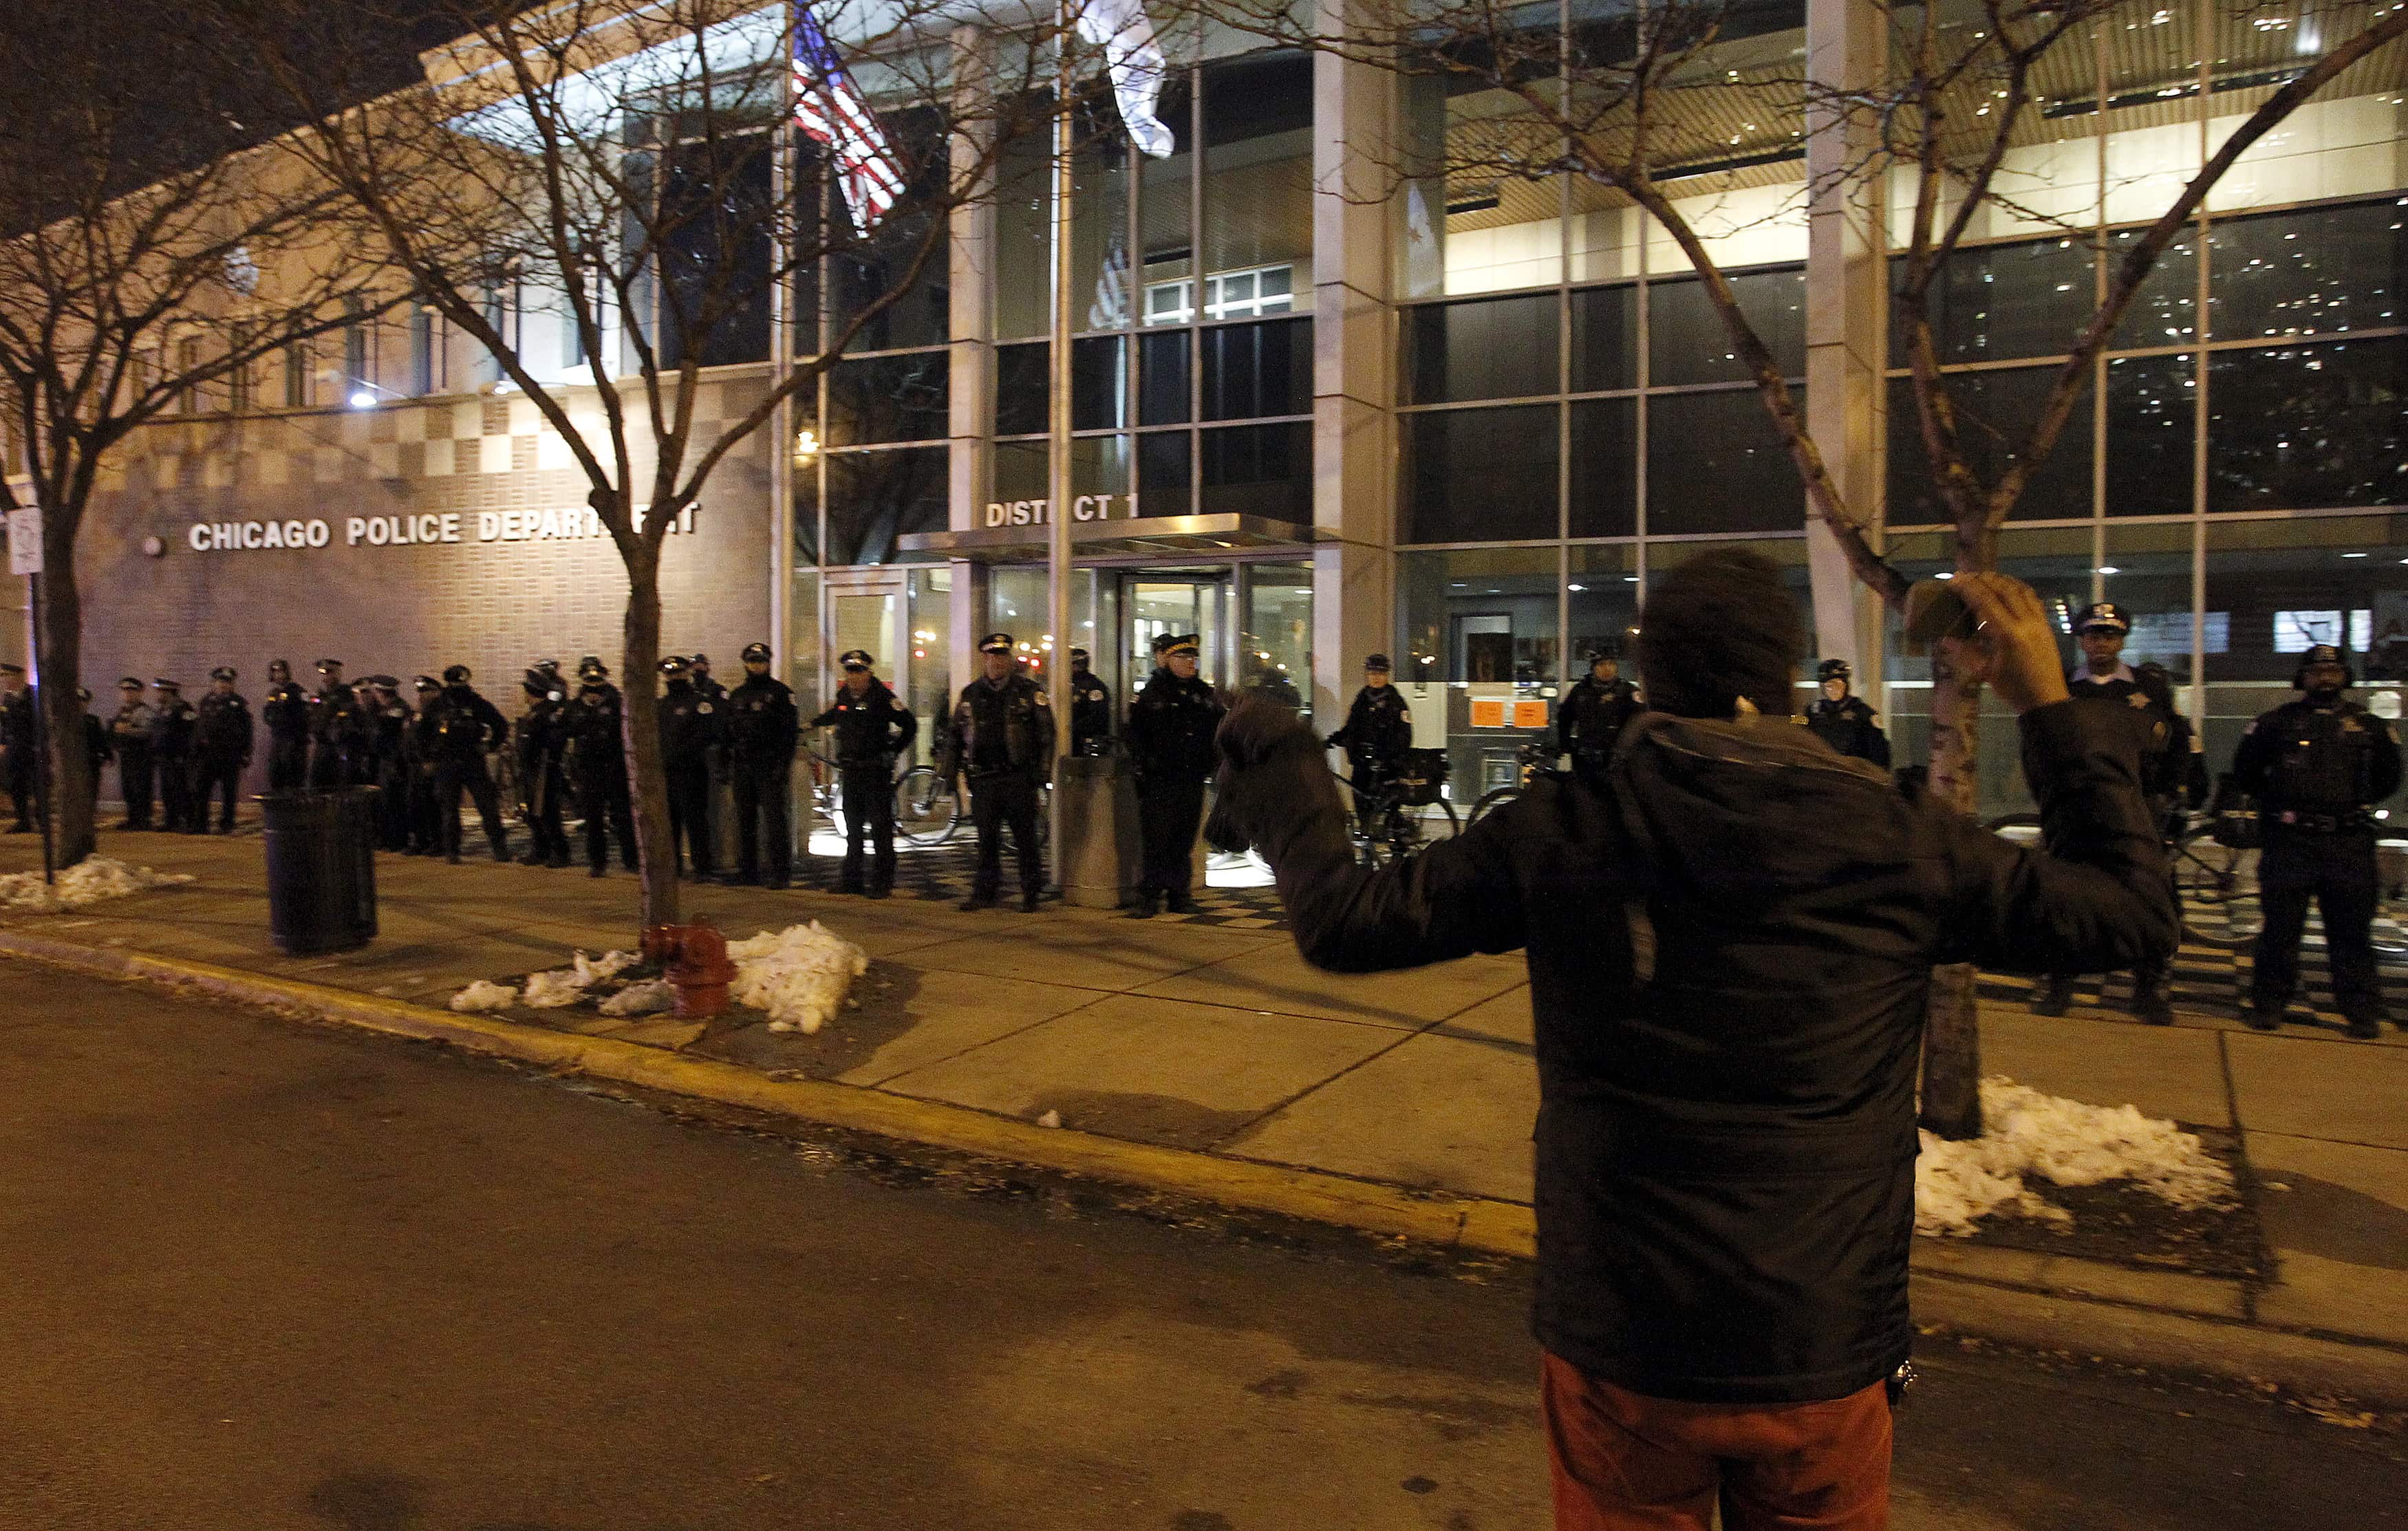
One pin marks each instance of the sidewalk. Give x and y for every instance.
(1206, 1057)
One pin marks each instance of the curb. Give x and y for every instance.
(2160, 1319)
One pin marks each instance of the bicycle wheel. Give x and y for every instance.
(1490, 804)
(2219, 891)
(1454, 825)
(925, 809)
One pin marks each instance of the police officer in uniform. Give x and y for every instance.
(338, 727)
(286, 712)
(762, 729)
(1002, 738)
(172, 724)
(689, 728)
(1170, 728)
(698, 670)
(1378, 730)
(222, 738)
(2317, 765)
(872, 727)
(387, 762)
(18, 745)
(597, 765)
(1846, 722)
(1592, 713)
(466, 729)
(2105, 680)
(420, 752)
(541, 741)
(129, 736)
(1091, 708)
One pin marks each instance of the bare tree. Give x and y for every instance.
(618, 165)
(158, 241)
(1638, 99)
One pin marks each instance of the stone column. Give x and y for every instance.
(1847, 292)
(971, 374)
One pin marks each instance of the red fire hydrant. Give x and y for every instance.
(695, 957)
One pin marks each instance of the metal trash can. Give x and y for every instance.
(321, 869)
(1097, 860)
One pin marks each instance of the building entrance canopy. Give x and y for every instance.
(1146, 537)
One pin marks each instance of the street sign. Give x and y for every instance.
(25, 540)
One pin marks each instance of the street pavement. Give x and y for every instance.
(256, 1274)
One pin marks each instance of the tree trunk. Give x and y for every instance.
(61, 625)
(646, 777)
(1952, 1039)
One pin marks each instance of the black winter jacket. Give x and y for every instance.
(1726, 1138)
(1171, 727)
(871, 729)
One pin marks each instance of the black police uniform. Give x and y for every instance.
(1091, 711)
(19, 745)
(689, 728)
(286, 712)
(420, 754)
(1170, 728)
(387, 762)
(1590, 718)
(1850, 727)
(871, 729)
(97, 750)
(465, 727)
(1002, 739)
(172, 724)
(1378, 730)
(597, 768)
(715, 798)
(338, 729)
(129, 734)
(540, 740)
(762, 729)
(2316, 765)
(222, 738)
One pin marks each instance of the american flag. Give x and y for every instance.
(831, 108)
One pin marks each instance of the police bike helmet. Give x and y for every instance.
(757, 650)
(592, 668)
(1835, 669)
(2323, 653)
(456, 675)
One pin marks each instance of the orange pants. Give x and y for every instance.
(1623, 1462)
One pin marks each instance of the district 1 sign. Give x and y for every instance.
(25, 540)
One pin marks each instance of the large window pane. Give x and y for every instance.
(2150, 428)
(2308, 427)
(1166, 214)
(1603, 595)
(1099, 383)
(872, 265)
(714, 234)
(1605, 467)
(1099, 478)
(2315, 270)
(2147, 572)
(888, 398)
(1162, 379)
(1257, 233)
(1162, 474)
(1022, 384)
(1995, 409)
(874, 497)
(1023, 204)
(1476, 635)
(1487, 348)
(1688, 343)
(1259, 470)
(1716, 463)
(1605, 339)
(1994, 302)
(2164, 313)
(1255, 370)
(1479, 475)
(1024, 381)
(1275, 641)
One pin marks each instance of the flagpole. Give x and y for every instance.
(1057, 415)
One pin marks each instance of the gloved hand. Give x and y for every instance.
(1257, 732)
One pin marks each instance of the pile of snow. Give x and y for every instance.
(645, 998)
(564, 986)
(483, 994)
(799, 975)
(91, 880)
(2062, 1141)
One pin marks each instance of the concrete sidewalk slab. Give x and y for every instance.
(1275, 978)
(2171, 1071)
(1507, 1019)
(2339, 1227)
(2311, 1087)
(1086, 953)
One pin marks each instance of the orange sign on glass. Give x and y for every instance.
(1529, 715)
(1488, 714)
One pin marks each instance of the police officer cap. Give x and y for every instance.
(428, 682)
(592, 668)
(755, 651)
(996, 643)
(1078, 653)
(455, 675)
(1599, 653)
(325, 664)
(548, 666)
(1376, 661)
(164, 684)
(1834, 669)
(2106, 614)
(128, 683)
(223, 672)
(700, 658)
(384, 682)
(536, 682)
(2323, 653)
(855, 659)
(1171, 643)
(673, 665)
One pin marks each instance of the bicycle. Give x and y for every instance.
(928, 808)
(1388, 826)
(1531, 760)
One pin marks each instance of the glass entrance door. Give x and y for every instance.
(1176, 601)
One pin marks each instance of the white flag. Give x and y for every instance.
(1125, 33)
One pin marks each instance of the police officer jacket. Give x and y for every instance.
(594, 722)
(1850, 727)
(1170, 728)
(463, 725)
(286, 711)
(689, 725)
(1725, 1147)
(224, 728)
(1004, 728)
(2330, 760)
(1091, 711)
(97, 746)
(763, 723)
(131, 724)
(17, 722)
(2150, 721)
(871, 729)
(1379, 729)
(336, 718)
(1592, 716)
(172, 724)
(541, 737)
(389, 732)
